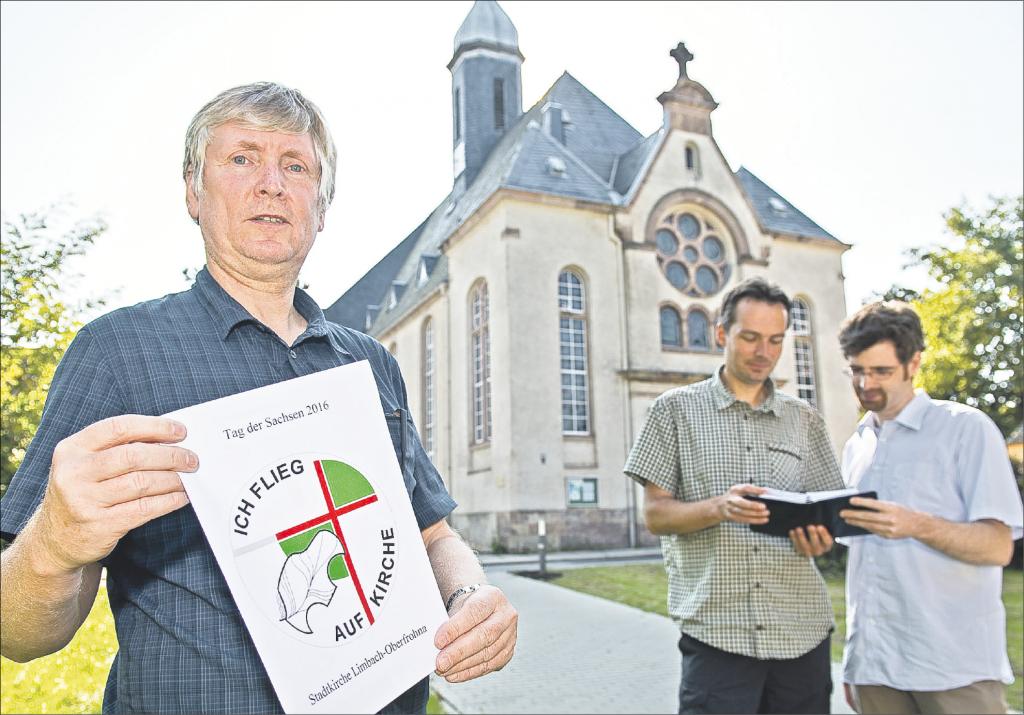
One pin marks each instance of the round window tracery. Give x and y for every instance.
(691, 253)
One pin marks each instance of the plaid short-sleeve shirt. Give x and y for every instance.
(734, 589)
(183, 645)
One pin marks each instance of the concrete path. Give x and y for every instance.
(580, 654)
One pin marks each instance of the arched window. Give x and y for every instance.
(457, 112)
(801, 317)
(572, 345)
(499, 104)
(803, 351)
(697, 329)
(428, 387)
(671, 327)
(480, 361)
(692, 156)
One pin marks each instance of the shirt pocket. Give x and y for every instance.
(786, 466)
(925, 486)
(398, 429)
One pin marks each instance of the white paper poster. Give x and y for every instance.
(303, 503)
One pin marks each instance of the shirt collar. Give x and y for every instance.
(911, 416)
(723, 396)
(228, 313)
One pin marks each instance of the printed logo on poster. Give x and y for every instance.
(331, 539)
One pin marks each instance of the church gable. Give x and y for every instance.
(570, 144)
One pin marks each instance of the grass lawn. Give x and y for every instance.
(69, 681)
(72, 680)
(645, 586)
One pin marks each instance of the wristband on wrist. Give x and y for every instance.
(461, 591)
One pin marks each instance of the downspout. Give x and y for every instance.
(448, 377)
(631, 523)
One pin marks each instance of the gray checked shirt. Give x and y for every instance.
(183, 645)
(736, 590)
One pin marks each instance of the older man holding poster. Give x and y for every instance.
(100, 486)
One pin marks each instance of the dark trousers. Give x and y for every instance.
(718, 682)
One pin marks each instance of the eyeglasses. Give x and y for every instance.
(856, 372)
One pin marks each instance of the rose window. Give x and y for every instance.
(691, 253)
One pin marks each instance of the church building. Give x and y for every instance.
(571, 276)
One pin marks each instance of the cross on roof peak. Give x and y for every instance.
(682, 56)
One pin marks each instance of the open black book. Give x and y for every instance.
(788, 510)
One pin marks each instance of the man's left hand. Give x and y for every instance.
(479, 638)
(815, 542)
(885, 518)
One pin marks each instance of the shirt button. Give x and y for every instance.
(292, 354)
(748, 447)
(759, 627)
(757, 585)
(756, 549)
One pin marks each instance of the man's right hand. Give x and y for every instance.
(733, 507)
(108, 479)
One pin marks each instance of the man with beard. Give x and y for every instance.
(753, 610)
(926, 626)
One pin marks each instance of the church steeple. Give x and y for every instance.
(486, 87)
(689, 104)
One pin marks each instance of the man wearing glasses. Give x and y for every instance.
(926, 625)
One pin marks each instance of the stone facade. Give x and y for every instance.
(518, 242)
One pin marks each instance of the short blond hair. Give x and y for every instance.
(266, 106)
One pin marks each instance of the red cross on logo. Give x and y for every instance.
(333, 512)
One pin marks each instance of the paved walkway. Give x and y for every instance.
(580, 654)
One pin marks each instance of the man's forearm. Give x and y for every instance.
(41, 606)
(670, 516)
(453, 562)
(985, 543)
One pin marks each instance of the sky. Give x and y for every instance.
(872, 118)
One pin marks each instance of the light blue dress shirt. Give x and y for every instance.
(917, 619)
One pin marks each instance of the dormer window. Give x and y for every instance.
(556, 167)
(422, 277)
(371, 315)
(395, 294)
(778, 205)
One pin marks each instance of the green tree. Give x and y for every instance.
(972, 316)
(36, 324)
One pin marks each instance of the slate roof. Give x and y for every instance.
(775, 214)
(603, 157)
(632, 161)
(487, 22)
(350, 309)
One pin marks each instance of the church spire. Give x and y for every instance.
(689, 104)
(486, 25)
(486, 87)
